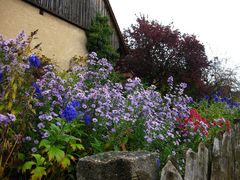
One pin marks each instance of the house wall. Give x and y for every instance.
(79, 12)
(60, 39)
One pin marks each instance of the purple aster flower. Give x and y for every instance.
(41, 125)
(149, 139)
(69, 113)
(49, 118)
(170, 80)
(34, 149)
(183, 85)
(84, 106)
(3, 118)
(34, 61)
(28, 138)
(12, 117)
(8, 68)
(58, 124)
(93, 55)
(87, 119)
(7, 119)
(36, 141)
(45, 135)
(95, 120)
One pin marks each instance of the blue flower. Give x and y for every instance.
(229, 101)
(216, 99)
(206, 97)
(87, 119)
(76, 104)
(37, 90)
(158, 162)
(34, 61)
(224, 99)
(218, 93)
(1, 76)
(69, 113)
(236, 105)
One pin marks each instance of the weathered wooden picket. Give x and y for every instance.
(221, 162)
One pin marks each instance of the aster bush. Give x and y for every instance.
(117, 116)
(24, 108)
(16, 96)
(129, 116)
(49, 119)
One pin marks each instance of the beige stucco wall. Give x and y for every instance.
(60, 40)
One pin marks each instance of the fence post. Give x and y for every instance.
(236, 149)
(169, 172)
(202, 159)
(197, 164)
(216, 169)
(191, 165)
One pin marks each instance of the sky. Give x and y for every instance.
(216, 23)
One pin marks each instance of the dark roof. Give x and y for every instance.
(80, 14)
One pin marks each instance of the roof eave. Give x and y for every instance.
(112, 16)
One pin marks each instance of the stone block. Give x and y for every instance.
(139, 165)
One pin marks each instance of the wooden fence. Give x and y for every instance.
(221, 162)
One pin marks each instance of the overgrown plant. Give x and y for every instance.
(50, 119)
(17, 64)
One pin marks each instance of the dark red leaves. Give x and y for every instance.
(157, 52)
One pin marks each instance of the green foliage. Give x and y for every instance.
(92, 112)
(38, 171)
(99, 39)
(13, 99)
(61, 150)
(219, 115)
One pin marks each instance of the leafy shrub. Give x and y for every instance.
(219, 113)
(17, 65)
(99, 38)
(157, 51)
